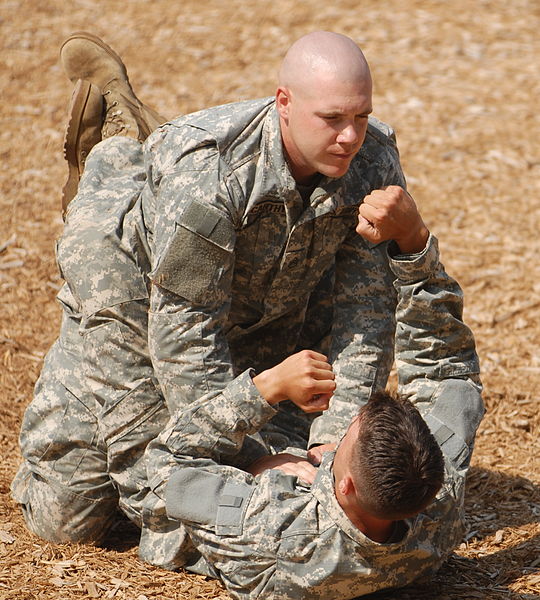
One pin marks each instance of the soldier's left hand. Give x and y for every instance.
(391, 214)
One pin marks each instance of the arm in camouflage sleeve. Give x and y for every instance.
(209, 432)
(362, 334)
(437, 364)
(190, 485)
(192, 263)
(364, 306)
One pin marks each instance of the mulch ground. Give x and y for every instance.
(460, 83)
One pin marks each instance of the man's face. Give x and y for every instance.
(324, 127)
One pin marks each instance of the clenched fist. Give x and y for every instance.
(391, 214)
(306, 378)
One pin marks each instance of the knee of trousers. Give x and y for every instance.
(57, 514)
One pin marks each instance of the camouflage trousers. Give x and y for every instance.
(97, 402)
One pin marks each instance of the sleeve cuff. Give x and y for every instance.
(244, 396)
(328, 430)
(409, 268)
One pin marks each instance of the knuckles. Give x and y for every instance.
(388, 198)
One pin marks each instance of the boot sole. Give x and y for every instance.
(99, 42)
(77, 107)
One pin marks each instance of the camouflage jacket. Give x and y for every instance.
(271, 536)
(245, 273)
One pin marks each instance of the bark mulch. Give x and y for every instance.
(460, 83)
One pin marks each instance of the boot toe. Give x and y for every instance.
(85, 56)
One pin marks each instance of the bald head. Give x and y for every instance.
(320, 57)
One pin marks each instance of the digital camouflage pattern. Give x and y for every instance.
(96, 403)
(271, 536)
(188, 261)
(246, 273)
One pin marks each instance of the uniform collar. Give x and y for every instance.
(327, 197)
(323, 490)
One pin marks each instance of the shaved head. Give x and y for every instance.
(323, 100)
(322, 56)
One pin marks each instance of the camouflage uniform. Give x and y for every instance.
(188, 261)
(272, 536)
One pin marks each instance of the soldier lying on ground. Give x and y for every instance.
(365, 519)
(223, 245)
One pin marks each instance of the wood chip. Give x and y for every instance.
(499, 535)
(91, 589)
(6, 537)
(8, 242)
(11, 264)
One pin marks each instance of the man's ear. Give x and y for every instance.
(346, 485)
(283, 101)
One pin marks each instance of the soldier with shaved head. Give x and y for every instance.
(232, 283)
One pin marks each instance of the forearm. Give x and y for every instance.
(208, 432)
(432, 341)
(362, 335)
(189, 485)
(437, 364)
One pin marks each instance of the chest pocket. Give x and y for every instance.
(332, 233)
(259, 247)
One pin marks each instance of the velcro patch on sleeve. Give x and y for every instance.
(198, 254)
(191, 495)
(456, 413)
(196, 496)
(232, 505)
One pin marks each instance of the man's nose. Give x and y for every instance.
(348, 134)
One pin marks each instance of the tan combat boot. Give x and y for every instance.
(85, 119)
(85, 56)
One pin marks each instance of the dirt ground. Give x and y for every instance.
(460, 83)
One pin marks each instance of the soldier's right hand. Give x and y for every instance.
(306, 378)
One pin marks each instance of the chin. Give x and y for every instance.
(334, 171)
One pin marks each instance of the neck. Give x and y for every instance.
(378, 530)
(301, 175)
(300, 172)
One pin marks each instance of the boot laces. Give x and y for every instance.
(114, 123)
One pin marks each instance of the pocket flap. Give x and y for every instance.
(209, 223)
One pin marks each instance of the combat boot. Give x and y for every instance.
(85, 56)
(83, 132)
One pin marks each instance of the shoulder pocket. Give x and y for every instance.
(197, 496)
(456, 414)
(199, 253)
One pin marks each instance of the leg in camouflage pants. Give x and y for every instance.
(96, 404)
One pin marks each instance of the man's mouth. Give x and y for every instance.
(343, 155)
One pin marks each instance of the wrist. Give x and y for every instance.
(414, 242)
(265, 384)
